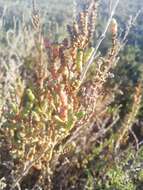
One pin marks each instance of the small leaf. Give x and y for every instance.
(30, 95)
(79, 60)
(88, 54)
(80, 114)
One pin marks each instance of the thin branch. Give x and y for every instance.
(131, 23)
(136, 139)
(100, 133)
(102, 37)
(31, 163)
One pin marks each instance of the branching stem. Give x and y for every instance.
(89, 63)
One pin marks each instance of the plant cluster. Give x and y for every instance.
(56, 118)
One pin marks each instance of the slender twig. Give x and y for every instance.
(135, 137)
(100, 133)
(31, 163)
(132, 22)
(102, 37)
(2, 17)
